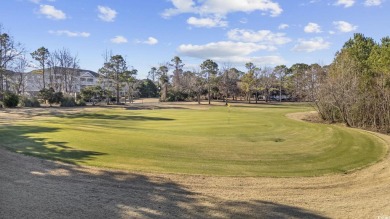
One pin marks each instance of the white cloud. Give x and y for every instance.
(312, 28)
(220, 50)
(225, 7)
(51, 12)
(180, 7)
(311, 45)
(70, 33)
(267, 60)
(344, 26)
(283, 26)
(119, 40)
(369, 3)
(222, 7)
(243, 20)
(149, 41)
(207, 22)
(39, 1)
(230, 52)
(106, 14)
(345, 3)
(258, 60)
(262, 36)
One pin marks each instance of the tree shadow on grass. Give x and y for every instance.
(153, 107)
(44, 189)
(37, 112)
(16, 138)
(112, 117)
(34, 188)
(263, 106)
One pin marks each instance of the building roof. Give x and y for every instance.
(39, 71)
(96, 75)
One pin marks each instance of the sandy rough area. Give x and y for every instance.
(34, 188)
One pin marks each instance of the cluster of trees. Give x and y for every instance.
(118, 81)
(11, 57)
(115, 76)
(61, 68)
(297, 83)
(356, 90)
(57, 70)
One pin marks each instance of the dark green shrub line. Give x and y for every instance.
(10, 100)
(28, 102)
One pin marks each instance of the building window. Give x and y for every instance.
(90, 79)
(82, 79)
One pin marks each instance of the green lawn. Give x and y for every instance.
(245, 140)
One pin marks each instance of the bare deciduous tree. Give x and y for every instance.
(9, 51)
(19, 79)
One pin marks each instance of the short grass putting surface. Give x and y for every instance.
(242, 140)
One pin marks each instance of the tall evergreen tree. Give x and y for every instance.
(41, 55)
(210, 70)
(115, 70)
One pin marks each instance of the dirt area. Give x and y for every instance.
(311, 116)
(35, 188)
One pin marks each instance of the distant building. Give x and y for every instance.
(64, 80)
(88, 78)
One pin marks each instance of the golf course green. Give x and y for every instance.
(241, 140)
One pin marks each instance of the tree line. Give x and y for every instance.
(214, 82)
(170, 81)
(356, 90)
(56, 72)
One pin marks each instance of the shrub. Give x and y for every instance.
(46, 94)
(177, 96)
(51, 96)
(57, 98)
(29, 102)
(68, 102)
(81, 102)
(71, 102)
(10, 100)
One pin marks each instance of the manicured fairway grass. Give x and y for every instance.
(244, 140)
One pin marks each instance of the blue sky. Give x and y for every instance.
(233, 32)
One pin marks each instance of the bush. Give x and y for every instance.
(51, 96)
(148, 89)
(81, 102)
(68, 102)
(71, 102)
(29, 102)
(177, 96)
(57, 98)
(10, 100)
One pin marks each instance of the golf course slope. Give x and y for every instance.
(31, 187)
(241, 140)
